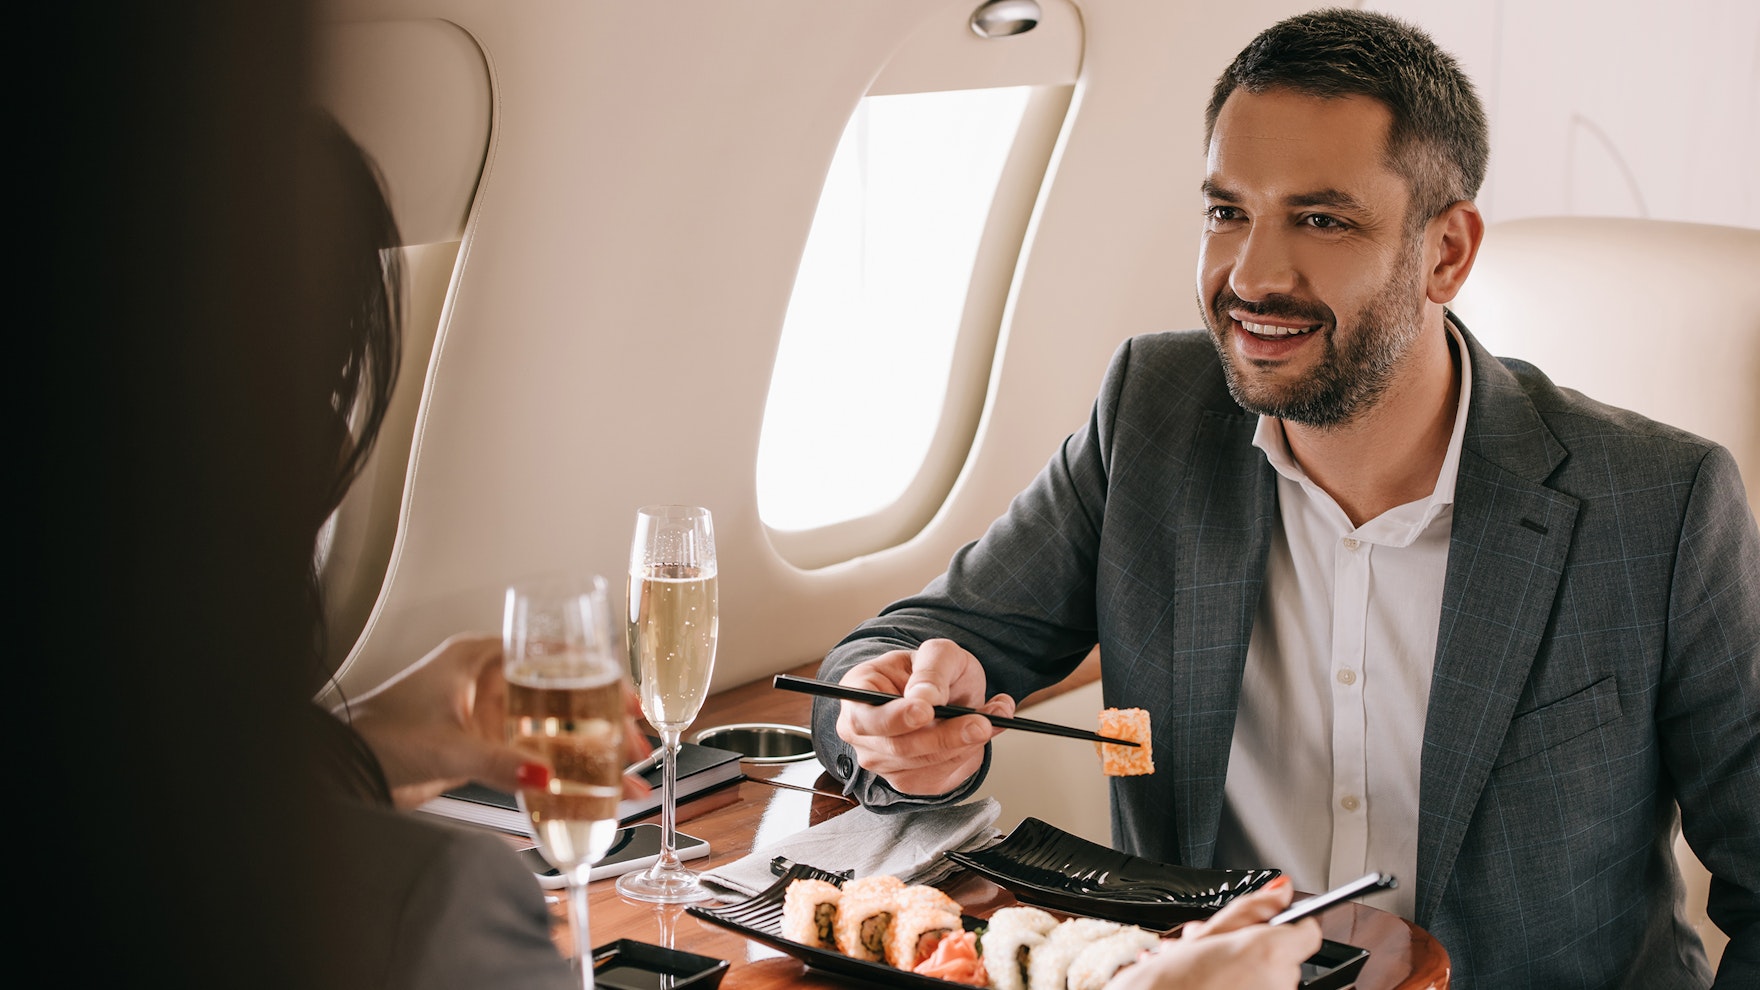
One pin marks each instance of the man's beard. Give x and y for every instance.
(1351, 375)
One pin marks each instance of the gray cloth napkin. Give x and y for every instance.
(907, 845)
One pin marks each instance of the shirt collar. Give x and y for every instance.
(1400, 525)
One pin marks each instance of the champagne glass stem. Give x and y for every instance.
(668, 804)
(577, 912)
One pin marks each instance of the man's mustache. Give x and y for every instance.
(1277, 307)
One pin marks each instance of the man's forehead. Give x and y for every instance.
(1288, 143)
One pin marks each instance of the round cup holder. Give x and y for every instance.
(760, 742)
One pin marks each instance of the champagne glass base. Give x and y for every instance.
(678, 886)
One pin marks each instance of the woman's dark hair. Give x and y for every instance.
(353, 311)
(1439, 139)
(358, 293)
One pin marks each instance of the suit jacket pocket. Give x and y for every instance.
(1539, 729)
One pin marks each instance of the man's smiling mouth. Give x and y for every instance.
(1268, 330)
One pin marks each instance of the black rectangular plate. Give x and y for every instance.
(759, 918)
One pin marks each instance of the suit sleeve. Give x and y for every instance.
(1708, 713)
(1020, 599)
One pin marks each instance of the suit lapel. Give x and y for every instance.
(1229, 505)
(1511, 535)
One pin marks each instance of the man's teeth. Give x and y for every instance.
(1267, 330)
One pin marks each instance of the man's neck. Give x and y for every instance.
(1391, 453)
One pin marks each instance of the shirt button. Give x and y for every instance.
(1347, 676)
(1350, 544)
(844, 765)
(1350, 802)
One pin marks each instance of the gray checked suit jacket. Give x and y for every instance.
(1598, 658)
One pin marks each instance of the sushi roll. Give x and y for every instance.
(1048, 966)
(918, 895)
(1126, 761)
(809, 913)
(864, 916)
(1009, 941)
(1027, 918)
(864, 886)
(1096, 964)
(916, 930)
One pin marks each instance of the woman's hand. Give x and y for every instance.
(1233, 950)
(441, 723)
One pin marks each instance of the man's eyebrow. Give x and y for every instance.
(1336, 198)
(1214, 191)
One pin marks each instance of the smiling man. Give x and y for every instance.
(1393, 603)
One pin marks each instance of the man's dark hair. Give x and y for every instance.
(1438, 140)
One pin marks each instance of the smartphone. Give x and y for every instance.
(1337, 895)
(635, 848)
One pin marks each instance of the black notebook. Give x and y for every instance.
(700, 768)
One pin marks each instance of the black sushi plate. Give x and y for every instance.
(760, 919)
(1042, 864)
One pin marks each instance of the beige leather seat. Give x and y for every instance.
(1659, 317)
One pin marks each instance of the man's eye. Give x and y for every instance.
(1323, 221)
(1221, 214)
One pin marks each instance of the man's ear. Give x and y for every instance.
(1453, 236)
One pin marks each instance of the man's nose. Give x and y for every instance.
(1263, 266)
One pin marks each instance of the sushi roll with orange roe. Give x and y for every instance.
(864, 917)
(809, 913)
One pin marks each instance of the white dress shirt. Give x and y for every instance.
(1323, 768)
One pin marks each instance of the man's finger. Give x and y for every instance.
(936, 665)
(895, 718)
(953, 740)
(999, 704)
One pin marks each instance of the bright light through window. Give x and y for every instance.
(868, 340)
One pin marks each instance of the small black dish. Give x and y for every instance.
(630, 965)
(1336, 965)
(1042, 864)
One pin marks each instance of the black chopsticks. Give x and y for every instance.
(826, 689)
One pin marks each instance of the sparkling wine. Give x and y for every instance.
(577, 723)
(672, 631)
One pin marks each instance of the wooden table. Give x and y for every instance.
(776, 801)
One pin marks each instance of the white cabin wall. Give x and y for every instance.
(1625, 108)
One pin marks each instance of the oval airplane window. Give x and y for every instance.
(898, 301)
(867, 345)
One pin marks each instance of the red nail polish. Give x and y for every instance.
(533, 775)
(1279, 882)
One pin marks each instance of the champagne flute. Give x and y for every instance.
(565, 701)
(672, 621)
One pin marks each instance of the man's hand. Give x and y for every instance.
(1234, 950)
(442, 722)
(902, 741)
